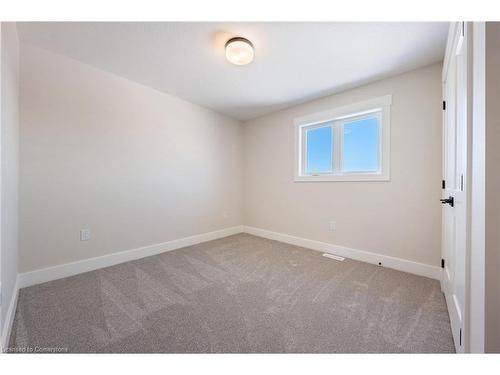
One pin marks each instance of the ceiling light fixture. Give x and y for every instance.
(239, 51)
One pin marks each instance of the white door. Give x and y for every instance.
(454, 195)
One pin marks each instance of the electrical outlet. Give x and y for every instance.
(85, 235)
(332, 225)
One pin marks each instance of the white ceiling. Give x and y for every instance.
(294, 62)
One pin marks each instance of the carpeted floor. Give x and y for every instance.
(237, 294)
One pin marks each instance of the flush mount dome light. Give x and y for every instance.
(239, 51)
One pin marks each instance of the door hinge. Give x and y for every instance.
(444, 105)
(443, 184)
(460, 336)
(442, 263)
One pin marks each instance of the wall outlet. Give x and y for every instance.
(85, 235)
(332, 225)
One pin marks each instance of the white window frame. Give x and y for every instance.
(337, 117)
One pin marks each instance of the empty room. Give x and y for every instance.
(249, 187)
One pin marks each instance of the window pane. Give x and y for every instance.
(319, 150)
(361, 145)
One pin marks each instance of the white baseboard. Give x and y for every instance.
(399, 264)
(9, 317)
(69, 269)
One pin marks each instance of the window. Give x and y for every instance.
(319, 149)
(346, 144)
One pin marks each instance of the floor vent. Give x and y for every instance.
(336, 257)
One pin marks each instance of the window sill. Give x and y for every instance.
(343, 178)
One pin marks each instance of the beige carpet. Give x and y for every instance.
(237, 294)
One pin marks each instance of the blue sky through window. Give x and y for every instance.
(361, 144)
(319, 150)
(360, 149)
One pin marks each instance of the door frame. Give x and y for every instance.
(478, 192)
(473, 319)
(1, 250)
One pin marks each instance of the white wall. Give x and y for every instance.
(139, 167)
(135, 166)
(399, 218)
(492, 185)
(10, 163)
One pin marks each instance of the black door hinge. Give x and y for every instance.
(442, 263)
(460, 336)
(443, 184)
(444, 105)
